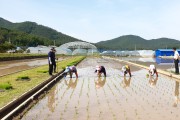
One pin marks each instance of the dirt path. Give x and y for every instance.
(8, 67)
(110, 98)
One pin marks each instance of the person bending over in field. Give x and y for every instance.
(126, 69)
(152, 70)
(70, 70)
(99, 70)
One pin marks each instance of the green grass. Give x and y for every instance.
(22, 86)
(42, 71)
(5, 86)
(23, 78)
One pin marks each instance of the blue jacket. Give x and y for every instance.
(51, 55)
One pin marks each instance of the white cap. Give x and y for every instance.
(97, 67)
(123, 68)
(151, 67)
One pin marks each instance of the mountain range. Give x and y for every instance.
(46, 34)
(132, 42)
(38, 30)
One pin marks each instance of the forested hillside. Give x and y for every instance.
(131, 42)
(38, 30)
(11, 38)
(32, 34)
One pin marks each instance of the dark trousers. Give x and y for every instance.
(176, 62)
(52, 67)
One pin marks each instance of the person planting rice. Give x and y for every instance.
(71, 70)
(152, 70)
(99, 70)
(126, 69)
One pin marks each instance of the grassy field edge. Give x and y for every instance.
(35, 77)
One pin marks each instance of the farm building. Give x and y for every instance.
(165, 52)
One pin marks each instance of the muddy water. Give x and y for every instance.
(148, 62)
(113, 97)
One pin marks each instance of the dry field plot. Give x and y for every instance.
(113, 98)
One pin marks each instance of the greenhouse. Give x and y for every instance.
(109, 53)
(64, 51)
(121, 53)
(38, 49)
(146, 53)
(79, 48)
(71, 48)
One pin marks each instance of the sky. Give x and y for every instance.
(99, 20)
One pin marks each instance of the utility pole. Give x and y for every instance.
(54, 42)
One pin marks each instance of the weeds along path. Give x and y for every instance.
(113, 97)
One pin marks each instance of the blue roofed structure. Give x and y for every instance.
(165, 52)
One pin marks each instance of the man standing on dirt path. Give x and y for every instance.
(51, 61)
(176, 60)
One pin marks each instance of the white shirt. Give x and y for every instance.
(152, 68)
(176, 55)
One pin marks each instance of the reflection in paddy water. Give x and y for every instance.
(126, 82)
(176, 94)
(72, 83)
(100, 82)
(153, 81)
(111, 100)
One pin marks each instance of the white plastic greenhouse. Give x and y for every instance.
(71, 48)
(146, 53)
(79, 48)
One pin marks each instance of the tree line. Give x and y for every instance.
(10, 39)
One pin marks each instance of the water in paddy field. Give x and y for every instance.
(113, 97)
(160, 63)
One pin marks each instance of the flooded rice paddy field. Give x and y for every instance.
(110, 98)
(163, 64)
